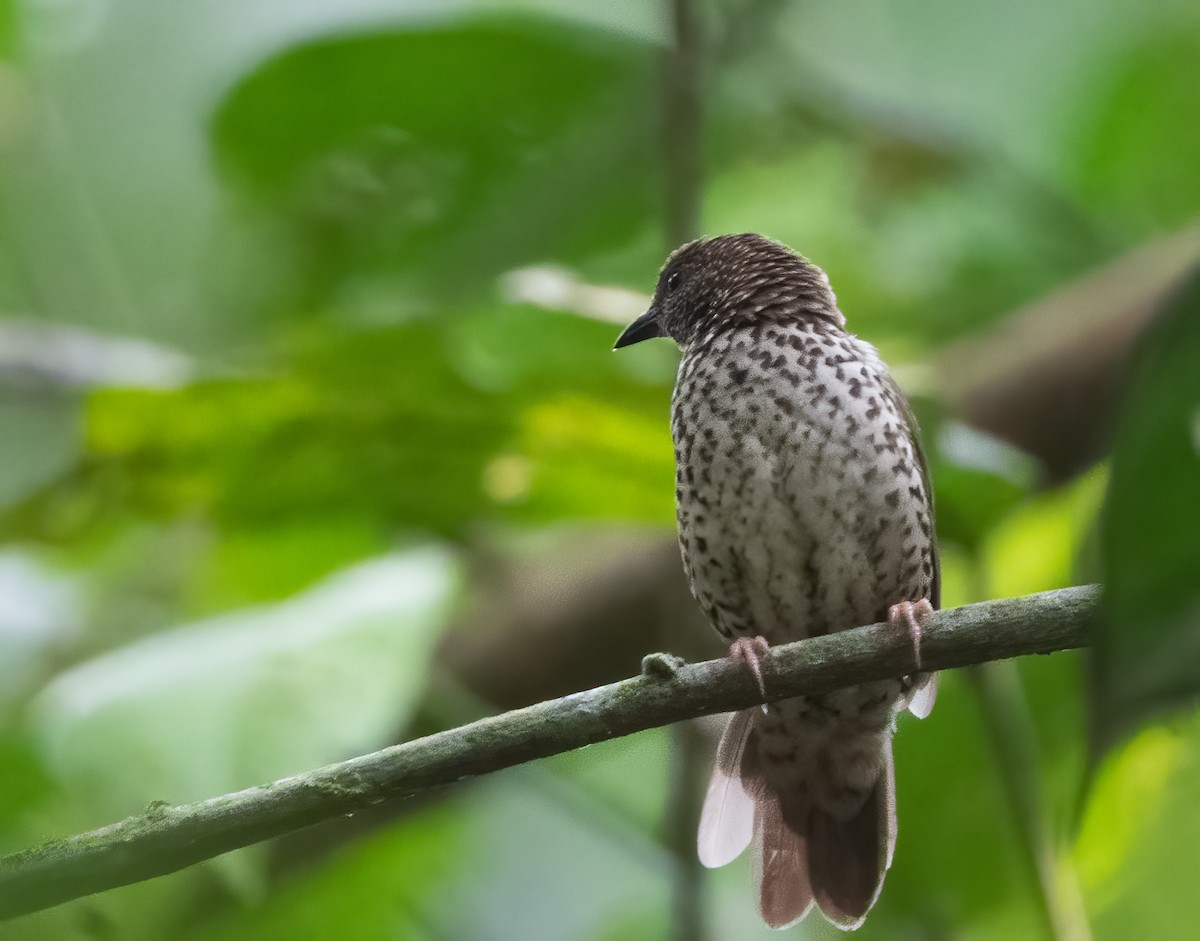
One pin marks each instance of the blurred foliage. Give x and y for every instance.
(466, 129)
(234, 557)
(1148, 651)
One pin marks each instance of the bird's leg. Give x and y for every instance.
(908, 616)
(751, 650)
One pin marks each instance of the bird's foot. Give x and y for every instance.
(908, 616)
(752, 650)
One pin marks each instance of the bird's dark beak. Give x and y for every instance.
(646, 327)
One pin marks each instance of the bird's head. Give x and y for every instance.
(713, 284)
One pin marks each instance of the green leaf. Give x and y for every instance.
(39, 610)
(384, 888)
(1147, 650)
(54, 425)
(260, 564)
(8, 27)
(211, 707)
(376, 427)
(1037, 547)
(24, 785)
(978, 482)
(518, 413)
(449, 151)
(214, 706)
(517, 855)
(1139, 847)
(1140, 147)
(948, 798)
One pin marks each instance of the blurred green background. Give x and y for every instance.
(313, 440)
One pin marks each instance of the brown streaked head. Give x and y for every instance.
(717, 283)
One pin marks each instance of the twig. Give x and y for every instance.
(683, 117)
(1010, 729)
(164, 839)
(683, 163)
(690, 762)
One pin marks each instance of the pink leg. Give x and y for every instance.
(908, 615)
(751, 650)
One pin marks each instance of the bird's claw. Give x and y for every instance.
(751, 650)
(908, 616)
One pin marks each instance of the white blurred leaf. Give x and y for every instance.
(37, 609)
(247, 697)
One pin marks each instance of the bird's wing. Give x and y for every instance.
(905, 409)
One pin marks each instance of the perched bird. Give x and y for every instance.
(804, 507)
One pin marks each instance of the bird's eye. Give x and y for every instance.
(673, 280)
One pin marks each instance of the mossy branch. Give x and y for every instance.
(167, 838)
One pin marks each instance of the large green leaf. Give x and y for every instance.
(521, 414)
(209, 707)
(1139, 148)
(1139, 845)
(449, 151)
(1147, 651)
(218, 705)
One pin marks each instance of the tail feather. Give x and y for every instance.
(848, 859)
(781, 872)
(727, 820)
(923, 694)
(804, 853)
(887, 801)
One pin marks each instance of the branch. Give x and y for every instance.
(164, 839)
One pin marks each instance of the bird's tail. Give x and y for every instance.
(823, 820)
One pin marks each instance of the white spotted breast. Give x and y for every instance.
(803, 507)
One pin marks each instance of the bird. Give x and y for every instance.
(804, 507)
